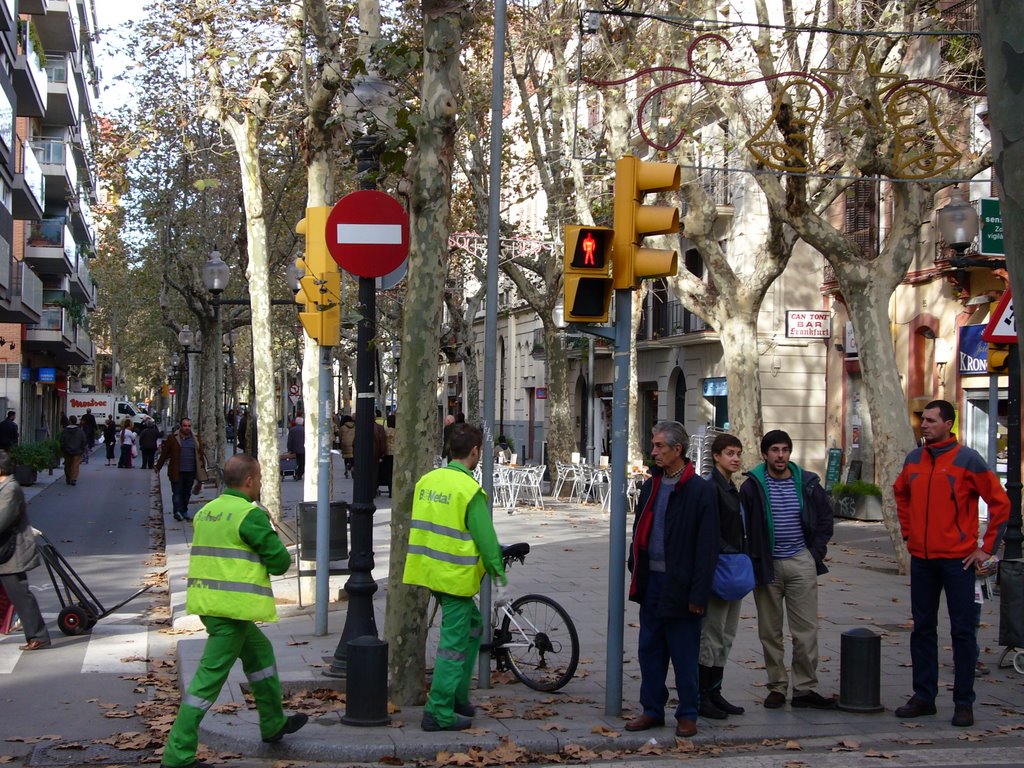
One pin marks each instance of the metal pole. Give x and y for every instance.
(1013, 480)
(323, 494)
(593, 401)
(617, 534)
(360, 587)
(491, 316)
(993, 420)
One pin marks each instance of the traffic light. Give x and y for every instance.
(997, 358)
(634, 221)
(320, 286)
(587, 275)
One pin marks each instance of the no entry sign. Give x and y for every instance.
(368, 233)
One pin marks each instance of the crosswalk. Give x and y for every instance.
(118, 644)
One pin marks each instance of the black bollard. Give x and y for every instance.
(860, 669)
(366, 685)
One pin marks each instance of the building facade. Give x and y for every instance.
(47, 88)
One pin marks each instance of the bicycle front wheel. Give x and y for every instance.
(542, 646)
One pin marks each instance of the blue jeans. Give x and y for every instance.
(181, 492)
(663, 640)
(928, 579)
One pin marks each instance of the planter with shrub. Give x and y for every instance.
(32, 458)
(857, 500)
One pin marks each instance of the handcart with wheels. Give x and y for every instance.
(80, 608)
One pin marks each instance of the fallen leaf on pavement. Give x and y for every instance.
(32, 739)
(880, 755)
(849, 744)
(552, 727)
(793, 744)
(118, 713)
(651, 749)
(604, 730)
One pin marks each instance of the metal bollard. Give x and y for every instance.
(860, 669)
(366, 685)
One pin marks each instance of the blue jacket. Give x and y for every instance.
(815, 519)
(691, 543)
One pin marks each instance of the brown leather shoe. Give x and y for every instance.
(34, 645)
(644, 723)
(685, 728)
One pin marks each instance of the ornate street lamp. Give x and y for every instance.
(216, 274)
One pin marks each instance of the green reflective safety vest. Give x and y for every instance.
(225, 576)
(442, 554)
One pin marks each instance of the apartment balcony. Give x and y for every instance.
(54, 333)
(63, 104)
(668, 319)
(23, 300)
(51, 247)
(28, 192)
(30, 6)
(84, 346)
(81, 221)
(80, 283)
(30, 79)
(59, 169)
(8, 15)
(58, 25)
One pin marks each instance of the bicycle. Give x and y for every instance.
(532, 637)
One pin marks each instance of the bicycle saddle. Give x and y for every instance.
(515, 551)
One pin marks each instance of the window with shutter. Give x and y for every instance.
(861, 221)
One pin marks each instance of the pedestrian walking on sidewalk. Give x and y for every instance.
(149, 436)
(183, 454)
(452, 544)
(18, 555)
(937, 496)
(128, 441)
(234, 552)
(296, 446)
(672, 560)
(789, 524)
(347, 439)
(72, 445)
(723, 616)
(110, 439)
(88, 425)
(8, 432)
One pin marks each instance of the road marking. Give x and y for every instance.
(9, 655)
(117, 648)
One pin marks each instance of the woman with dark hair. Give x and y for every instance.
(18, 555)
(110, 439)
(723, 616)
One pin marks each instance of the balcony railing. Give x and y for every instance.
(6, 119)
(27, 285)
(55, 152)
(50, 319)
(669, 318)
(53, 233)
(39, 73)
(26, 164)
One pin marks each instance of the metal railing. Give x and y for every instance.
(668, 318)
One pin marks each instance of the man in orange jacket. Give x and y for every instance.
(937, 500)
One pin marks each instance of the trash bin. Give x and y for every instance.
(366, 684)
(338, 547)
(860, 669)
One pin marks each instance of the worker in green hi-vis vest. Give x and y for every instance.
(234, 551)
(451, 545)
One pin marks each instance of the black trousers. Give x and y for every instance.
(16, 587)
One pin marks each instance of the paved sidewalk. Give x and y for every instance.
(569, 562)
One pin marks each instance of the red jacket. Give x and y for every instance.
(937, 501)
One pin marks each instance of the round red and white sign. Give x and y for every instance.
(368, 233)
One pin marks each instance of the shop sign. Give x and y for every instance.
(990, 240)
(808, 324)
(47, 375)
(973, 350)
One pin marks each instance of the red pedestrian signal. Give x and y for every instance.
(587, 278)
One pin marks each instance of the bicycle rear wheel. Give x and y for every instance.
(542, 646)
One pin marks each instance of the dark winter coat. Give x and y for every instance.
(73, 440)
(691, 543)
(815, 519)
(13, 517)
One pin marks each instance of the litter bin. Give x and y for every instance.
(338, 546)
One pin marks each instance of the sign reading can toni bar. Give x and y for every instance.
(808, 324)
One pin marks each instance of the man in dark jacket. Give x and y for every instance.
(149, 436)
(72, 445)
(88, 425)
(672, 561)
(789, 521)
(8, 432)
(296, 446)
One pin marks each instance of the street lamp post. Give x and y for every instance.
(370, 94)
(958, 225)
(186, 337)
(215, 277)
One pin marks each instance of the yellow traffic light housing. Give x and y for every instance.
(998, 355)
(320, 287)
(634, 221)
(587, 276)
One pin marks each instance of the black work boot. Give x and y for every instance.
(716, 693)
(708, 709)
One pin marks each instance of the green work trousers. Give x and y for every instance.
(229, 639)
(457, 648)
